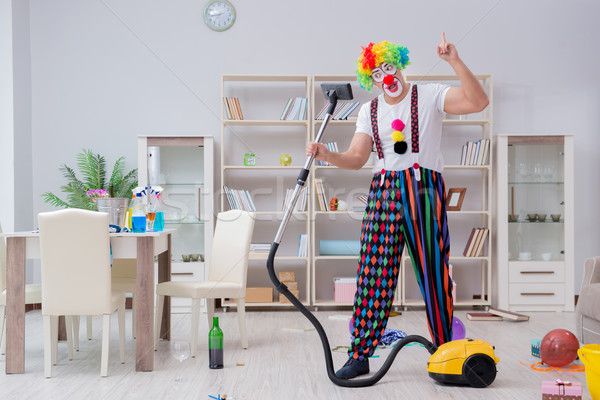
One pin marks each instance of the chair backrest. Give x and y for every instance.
(75, 258)
(2, 262)
(230, 247)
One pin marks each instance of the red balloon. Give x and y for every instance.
(559, 348)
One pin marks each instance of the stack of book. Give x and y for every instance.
(295, 109)
(496, 314)
(239, 199)
(475, 153)
(363, 198)
(303, 245)
(475, 243)
(332, 146)
(320, 190)
(260, 248)
(233, 109)
(342, 110)
(300, 203)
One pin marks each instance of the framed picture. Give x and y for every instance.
(455, 198)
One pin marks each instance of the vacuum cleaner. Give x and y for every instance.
(467, 361)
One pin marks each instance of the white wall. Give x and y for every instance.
(106, 71)
(7, 200)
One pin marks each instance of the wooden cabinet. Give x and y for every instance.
(183, 167)
(535, 231)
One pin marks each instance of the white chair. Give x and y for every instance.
(33, 293)
(76, 280)
(123, 273)
(227, 271)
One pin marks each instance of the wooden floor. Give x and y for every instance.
(281, 363)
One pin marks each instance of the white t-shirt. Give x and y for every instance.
(431, 112)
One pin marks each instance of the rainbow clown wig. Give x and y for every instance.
(375, 54)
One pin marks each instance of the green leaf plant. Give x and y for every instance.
(92, 168)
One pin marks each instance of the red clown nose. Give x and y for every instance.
(388, 80)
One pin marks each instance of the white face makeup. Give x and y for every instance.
(378, 75)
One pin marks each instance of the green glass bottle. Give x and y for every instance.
(215, 346)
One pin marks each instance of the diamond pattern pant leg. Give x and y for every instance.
(402, 210)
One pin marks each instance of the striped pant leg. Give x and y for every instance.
(425, 229)
(379, 261)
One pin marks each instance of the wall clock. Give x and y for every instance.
(219, 15)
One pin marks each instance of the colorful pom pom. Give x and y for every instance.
(400, 147)
(398, 125)
(397, 136)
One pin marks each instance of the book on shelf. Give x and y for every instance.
(295, 109)
(303, 245)
(475, 152)
(342, 110)
(233, 108)
(286, 109)
(480, 242)
(320, 191)
(260, 248)
(483, 316)
(509, 314)
(331, 146)
(475, 242)
(469, 245)
(239, 199)
(300, 202)
(363, 198)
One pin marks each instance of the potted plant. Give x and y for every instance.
(82, 193)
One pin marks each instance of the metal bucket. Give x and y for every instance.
(116, 208)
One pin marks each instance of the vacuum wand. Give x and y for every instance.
(332, 92)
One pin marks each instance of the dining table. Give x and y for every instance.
(143, 246)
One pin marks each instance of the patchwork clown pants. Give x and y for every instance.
(402, 210)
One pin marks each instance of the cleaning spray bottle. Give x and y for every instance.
(138, 216)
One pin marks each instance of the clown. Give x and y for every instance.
(407, 197)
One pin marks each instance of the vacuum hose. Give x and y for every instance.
(282, 288)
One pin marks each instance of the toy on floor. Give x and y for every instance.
(559, 348)
(458, 329)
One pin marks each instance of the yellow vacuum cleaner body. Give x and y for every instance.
(464, 362)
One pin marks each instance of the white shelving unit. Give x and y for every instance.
(469, 272)
(262, 99)
(535, 221)
(185, 172)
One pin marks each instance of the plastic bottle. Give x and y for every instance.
(159, 219)
(138, 216)
(215, 346)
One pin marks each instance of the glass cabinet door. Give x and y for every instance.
(536, 193)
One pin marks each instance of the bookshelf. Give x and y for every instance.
(472, 274)
(262, 100)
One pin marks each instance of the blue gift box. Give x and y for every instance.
(535, 347)
(339, 247)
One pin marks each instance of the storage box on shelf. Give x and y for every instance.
(473, 174)
(183, 167)
(534, 211)
(261, 156)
